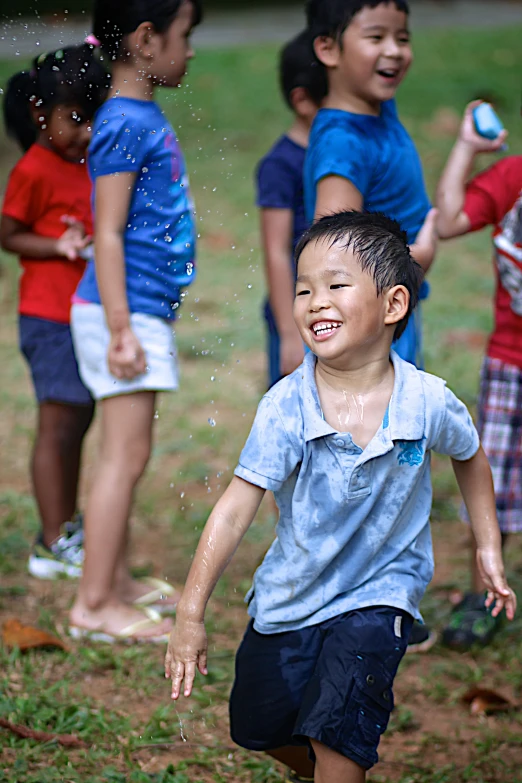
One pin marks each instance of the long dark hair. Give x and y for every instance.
(115, 19)
(71, 76)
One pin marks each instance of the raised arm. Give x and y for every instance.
(113, 195)
(451, 191)
(232, 516)
(476, 484)
(276, 233)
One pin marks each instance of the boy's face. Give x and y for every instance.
(337, 310)
(375, 53)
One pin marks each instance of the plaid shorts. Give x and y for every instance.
(500, 429)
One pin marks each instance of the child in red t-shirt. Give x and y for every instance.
(494, 197)
(46, 220)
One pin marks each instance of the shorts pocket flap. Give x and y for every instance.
(376, 684)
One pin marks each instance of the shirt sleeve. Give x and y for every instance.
(276, 185)
(491, 194)
(121, 145)
(340, 152)
(457, 436)
(24, 196)
(269, 456)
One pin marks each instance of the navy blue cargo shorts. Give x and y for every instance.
(331, 682)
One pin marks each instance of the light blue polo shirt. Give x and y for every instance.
(354, 524)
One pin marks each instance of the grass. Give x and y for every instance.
(115, 698)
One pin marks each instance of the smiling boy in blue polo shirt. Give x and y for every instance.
(344, 443)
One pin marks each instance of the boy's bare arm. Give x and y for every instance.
(232, 516)
(276, 233)
(476, 484)
(335, 194)
(451, 191)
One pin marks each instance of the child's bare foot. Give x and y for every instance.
(117, 621)
(150, 592)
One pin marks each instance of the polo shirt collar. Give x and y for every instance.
(406, 413)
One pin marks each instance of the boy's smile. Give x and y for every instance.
(337, 309)
(373, 58)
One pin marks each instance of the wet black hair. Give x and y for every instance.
(73, 76)
(332, 17)
(299, 67)
(115, 19)
(380, 246)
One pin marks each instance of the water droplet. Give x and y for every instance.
(212, 422)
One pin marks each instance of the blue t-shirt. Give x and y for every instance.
(379, 158)
(160, 239)
(353, 527)
(280, 186)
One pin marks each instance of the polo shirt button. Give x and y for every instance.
(339, 442)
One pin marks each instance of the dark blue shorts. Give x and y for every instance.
(48, 348)
(330, 682)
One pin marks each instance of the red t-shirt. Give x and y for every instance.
(42, 188)
(494, 197)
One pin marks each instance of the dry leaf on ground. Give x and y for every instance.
(67, 740)
(483, 701)
(25, 637)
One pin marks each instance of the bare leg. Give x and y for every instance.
(331, 767)
(55, 463)
(126, 442)
(296, 759)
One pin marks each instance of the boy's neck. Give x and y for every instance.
(340, 98)
(299, 131)
(357, 377)
(128, 82)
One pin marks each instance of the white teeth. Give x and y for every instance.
(325, 328)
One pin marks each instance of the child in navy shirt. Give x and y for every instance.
(281, 200)
(344, 443)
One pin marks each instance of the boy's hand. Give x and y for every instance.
(425, 247)
(187, 651)
(126, 357)
(291, 354)
(491, 569)
(72, 240)
(468, 134)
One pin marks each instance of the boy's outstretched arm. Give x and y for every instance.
(230, 519)
(476, 484)
(451, 191)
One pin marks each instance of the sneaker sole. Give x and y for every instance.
(42, 568)
(425, 646)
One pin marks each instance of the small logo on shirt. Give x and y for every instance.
(411, 452)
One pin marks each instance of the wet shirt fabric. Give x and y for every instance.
(42, 189)
(494, 197)
(378, 156)
(134, 136)
(354, 524)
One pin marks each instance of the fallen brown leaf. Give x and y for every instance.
(25, 637)
(67, 740)
(483, 701)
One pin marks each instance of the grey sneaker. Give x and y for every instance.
(63, 558)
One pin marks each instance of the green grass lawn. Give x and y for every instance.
(228, 115)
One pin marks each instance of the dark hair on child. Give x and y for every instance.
(380, 246)
(299, 67)
(115, 19)
(332, 17)
(72, 76)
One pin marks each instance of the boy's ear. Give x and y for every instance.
(397, 303)
(327, 51)
(303, 104)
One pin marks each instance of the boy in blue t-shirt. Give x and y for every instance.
(344, 443)
(360, 156)
(281, 201)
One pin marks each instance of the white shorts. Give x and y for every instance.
(91, 344)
